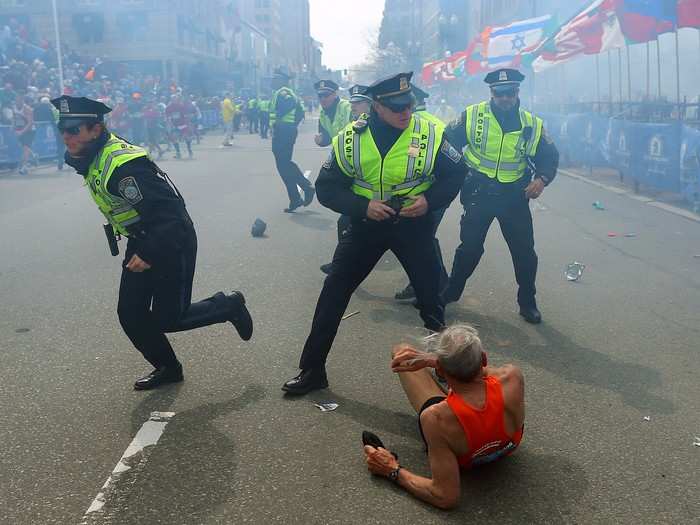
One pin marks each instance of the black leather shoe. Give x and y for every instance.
(406, 294)
(372, 439)
(326, 268)
(308, 380)
(293, 206)
(239, 315)
(531, 314)
(448, 297)
(160, 376)
(308, 196)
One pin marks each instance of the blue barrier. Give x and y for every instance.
(10, 150)
(44, 145)
(211, 118)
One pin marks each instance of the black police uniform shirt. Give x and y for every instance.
(546, 157)
(163, 228)
(334, 188)
(326, 139)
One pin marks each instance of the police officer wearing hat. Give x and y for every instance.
(514, 160)
(140, 203)
(360, 101)
(286, 113)
(360, 104)
(335, 112)
(387, 173)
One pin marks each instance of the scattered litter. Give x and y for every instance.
(22, 330)
(574, 271)
(697, 256)
(647, 418)
(348, 316)
(326, 407)
(697, 441)
(630, 234)
(598, 205)
(258, 229)
(612, 234)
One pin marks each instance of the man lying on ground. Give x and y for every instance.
(480, 420)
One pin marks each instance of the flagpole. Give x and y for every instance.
(59, 58)
(658, 66)
(597, 83)
(629, 76)
(678, 75)
(610, 81)
(619, 73)
(648, 72)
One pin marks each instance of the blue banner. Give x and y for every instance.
(211, 118)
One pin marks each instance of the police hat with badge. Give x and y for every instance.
(325, 87)
(504, 81)
(394, 92)
(73, 112)
(358, 93)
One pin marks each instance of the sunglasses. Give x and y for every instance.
(71, 130)
(325, 95)
(505, 94)
(398, 109)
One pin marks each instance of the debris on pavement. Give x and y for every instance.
(631, 234)
(647, 418)
(612, 234)
(697, 441)
(326, 407)
(574, 271)
(258, 229)
(348, 316)
(22, 330)
(598, 205)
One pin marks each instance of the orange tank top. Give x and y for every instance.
(484, 428)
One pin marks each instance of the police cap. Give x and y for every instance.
(393, 92)
(504, 79)
(74, 111)
(358, 93)
(325, 87)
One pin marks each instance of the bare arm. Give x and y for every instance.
(442, 490)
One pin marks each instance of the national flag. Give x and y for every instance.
(444, 70)
(689, 13)
(595, 29)
(504, 46)
(645, 20)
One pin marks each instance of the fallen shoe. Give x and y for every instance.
(308, 380)
(372, 439)
(239, 315)
(160, 376)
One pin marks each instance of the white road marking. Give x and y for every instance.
(148, 435)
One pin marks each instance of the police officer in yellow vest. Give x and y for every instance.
(140, 203)
(286, 112)
(513, 160)
(360, 103)
(335, 112)
(264, 115)
(387, 172)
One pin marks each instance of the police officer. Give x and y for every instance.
(140, 202)
(285, 114)
(505, 145)
(253, 115)
(386, 173)
(360, 104)
(408, 293)
(264, 115)
(335, 112)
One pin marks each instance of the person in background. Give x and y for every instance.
(228, 112)
(23, 124)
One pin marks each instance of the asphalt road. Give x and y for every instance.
(615, 348)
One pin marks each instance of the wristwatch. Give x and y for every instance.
(394, 474)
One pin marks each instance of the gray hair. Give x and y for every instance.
(458, 349)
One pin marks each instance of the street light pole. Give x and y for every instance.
(58, 47)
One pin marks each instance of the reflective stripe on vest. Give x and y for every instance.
(407, 168)
(117, 210)
(288, 117)
(341, 118)
(495, 154)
